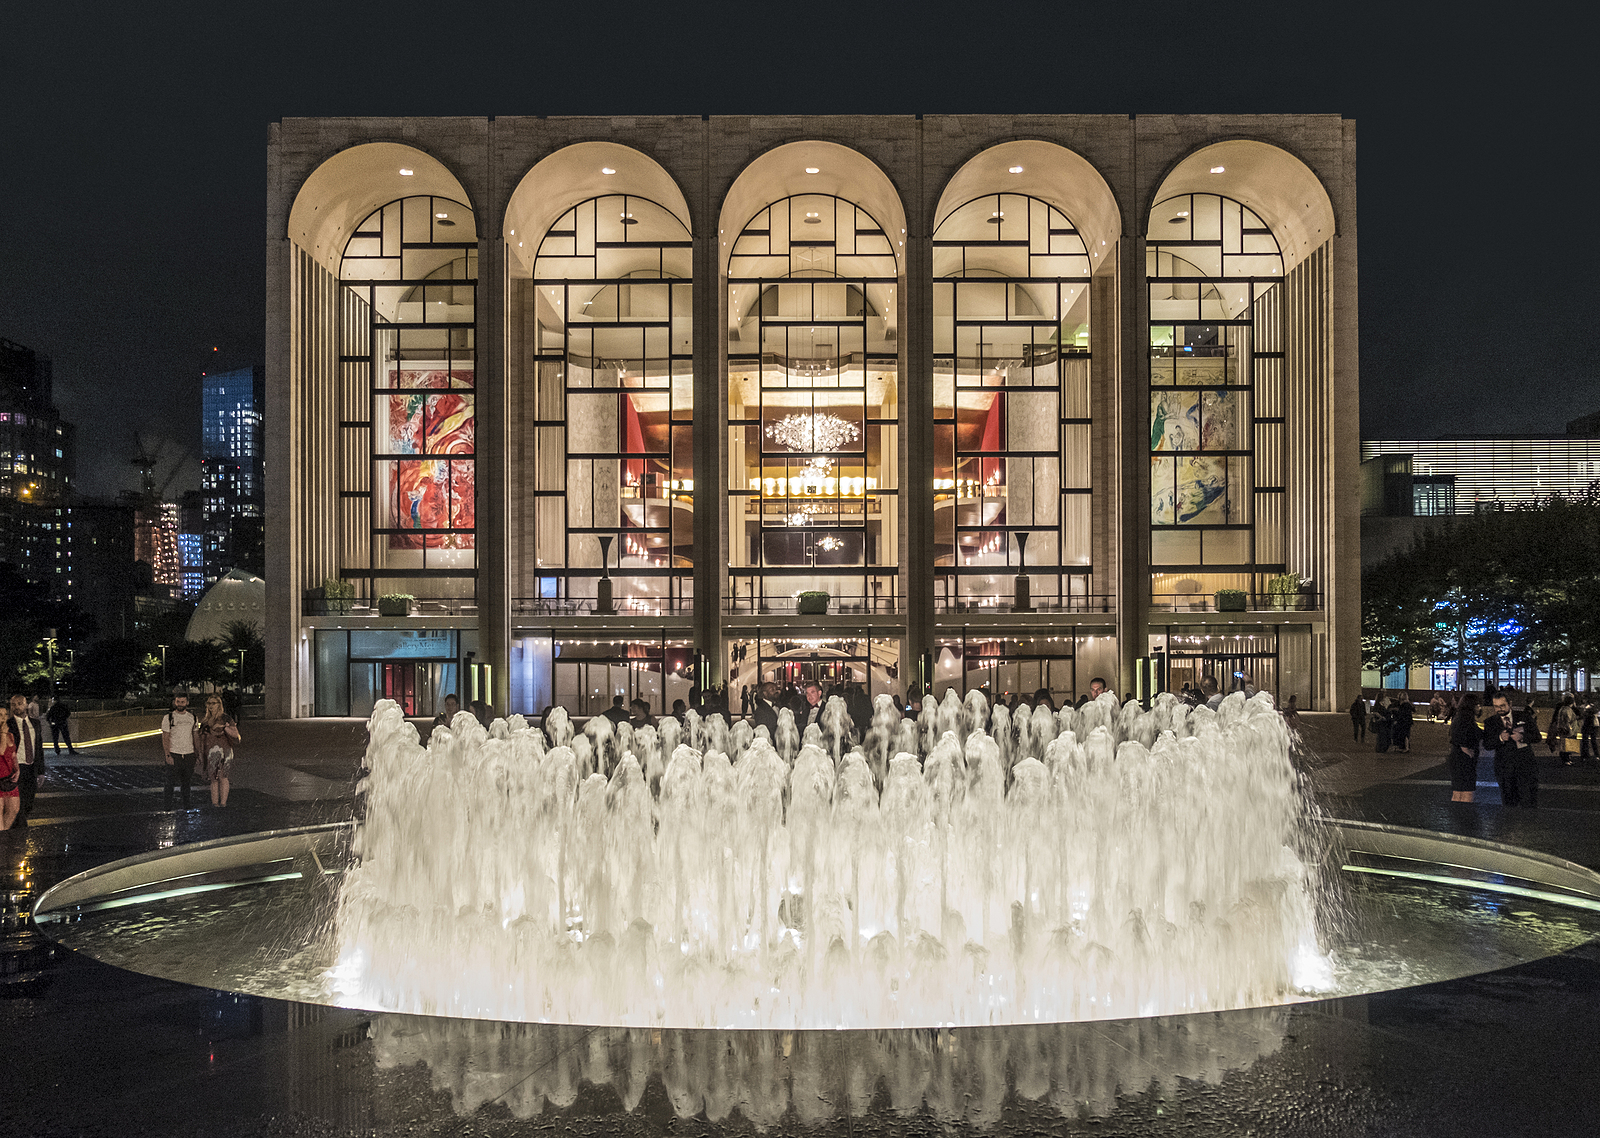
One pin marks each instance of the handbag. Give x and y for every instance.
(9, 780)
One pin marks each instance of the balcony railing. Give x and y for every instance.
(1253, 602)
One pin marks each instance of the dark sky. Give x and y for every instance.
(133, 157)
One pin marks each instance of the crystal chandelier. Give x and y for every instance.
(813, 433)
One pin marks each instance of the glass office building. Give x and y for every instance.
(559, 409)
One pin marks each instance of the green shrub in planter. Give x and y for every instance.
(1230, 600)
(395, 604)
(812, 603)
(1285, 591)
(338, 593)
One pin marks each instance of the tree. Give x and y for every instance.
(245, 636)
(1508, 586)
(111, 669)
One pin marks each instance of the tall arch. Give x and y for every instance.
(1238, 271)
(1272, 183)
(383, 373)
(811, 243)
(600, 401)
(344, 190)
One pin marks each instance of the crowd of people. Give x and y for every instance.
(1503, 724)
(22, 751)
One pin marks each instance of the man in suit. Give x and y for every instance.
(30, 756)
(814, 706)
(765, 711)
(1513, 734)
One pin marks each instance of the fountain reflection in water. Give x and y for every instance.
(953, 1075)
(1101, 863)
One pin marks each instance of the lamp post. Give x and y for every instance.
(163, 648)
(50, 657)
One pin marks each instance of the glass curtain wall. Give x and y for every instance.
(1011, 405)
(607, 411)
(1216, 401)
(407, 366)
(813, 409)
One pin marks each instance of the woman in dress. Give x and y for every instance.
(1465, 737)
(10, 800)
(214, 738)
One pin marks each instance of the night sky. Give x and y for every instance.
(133, 158)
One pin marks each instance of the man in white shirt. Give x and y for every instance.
(177, 742)
(30, 757)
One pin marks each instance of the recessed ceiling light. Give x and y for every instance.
(629, 219)
(1016, 169)
(404, 172)
(441, 216)
(996, 218)
(607, 170)
(813, 219)
(812, 170)
(1218, 169)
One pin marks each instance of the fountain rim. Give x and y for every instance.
(1394, 851)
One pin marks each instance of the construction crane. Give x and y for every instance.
(146, 459)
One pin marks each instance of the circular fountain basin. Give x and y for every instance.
(254, 914)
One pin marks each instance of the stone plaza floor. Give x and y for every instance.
(95, 1050)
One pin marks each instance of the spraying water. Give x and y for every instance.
(1102, 863)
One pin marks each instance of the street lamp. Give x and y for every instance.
(163, 648)
(50, 649)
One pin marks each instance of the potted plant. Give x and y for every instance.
(395, 604)
(1229, 600)
(1284, 589)
(339, 594)
(813, 603)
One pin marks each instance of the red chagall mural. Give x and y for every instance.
(433, 419)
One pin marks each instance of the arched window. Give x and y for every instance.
(603, 421)
(1011, 404)
(813, 408)
(1216, 400)
(408, 363)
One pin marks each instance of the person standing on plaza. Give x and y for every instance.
(1589, 715)
(1516, 767)
(1382, 724)
(1358, 719)
(59, 717)
(1465, 738)
(177, 743)
(214, 738)
(1401, 716)
(30, 755)
(1436, 708)
(1564, 729)
(10, 772)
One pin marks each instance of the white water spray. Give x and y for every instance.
(1114, 863)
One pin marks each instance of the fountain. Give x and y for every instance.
(1098, 868)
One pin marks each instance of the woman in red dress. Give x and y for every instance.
(10, 799)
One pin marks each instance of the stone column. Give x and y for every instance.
(710, 425)
(916, 387)
(1133, 422)
(493, 442)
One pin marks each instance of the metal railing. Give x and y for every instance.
(1253, 602)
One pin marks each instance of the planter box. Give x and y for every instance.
(394, 608)
(1230, 602)
(812, 606)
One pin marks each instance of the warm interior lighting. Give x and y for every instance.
(441, 216)
(812, 170)
(813, 433)
(1016, 169)
(1218, 169)
(607, 170)
(404, 173)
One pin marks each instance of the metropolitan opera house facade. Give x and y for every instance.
(565, 408)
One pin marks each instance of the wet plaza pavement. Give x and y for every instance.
(100, 1051)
